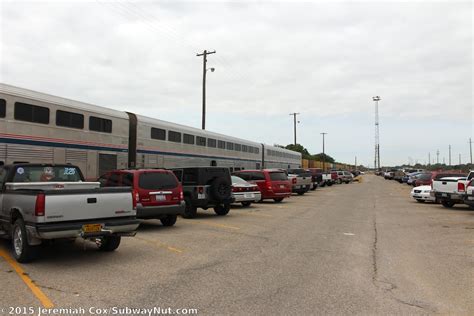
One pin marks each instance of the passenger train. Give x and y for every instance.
(36, 127)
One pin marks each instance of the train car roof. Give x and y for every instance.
(25, 93)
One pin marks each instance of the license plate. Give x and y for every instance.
(282, 186)
(297, 186)
(470, 198)
(201, 196)
(249, 195)
(91, 228)
(444, 194)
(160, 197)
(455, 196)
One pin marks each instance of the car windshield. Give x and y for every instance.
(157, 180)
(278, 176)
(425, 176)
(47, 174)
(237, 180)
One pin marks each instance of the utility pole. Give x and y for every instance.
(356, 163)
(204, 71)
(429, 159)
(459, 159)
(450, 155)
(294, 123)
(470, 148)
(324, 154)
(437, 156)
(377, 138)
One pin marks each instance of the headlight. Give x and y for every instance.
(426, 191)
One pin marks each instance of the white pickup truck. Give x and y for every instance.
(469, 195)
(45, 201)
(450, 190)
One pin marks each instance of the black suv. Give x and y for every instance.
(205, 187)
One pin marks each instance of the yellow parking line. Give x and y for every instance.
(160, 244)
(45, 301)
(214, 225)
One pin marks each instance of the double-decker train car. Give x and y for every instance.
(36, 127)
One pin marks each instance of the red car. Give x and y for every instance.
(428, 177)
(158, 193)
(273, 183)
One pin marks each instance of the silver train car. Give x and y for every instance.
(36, 127)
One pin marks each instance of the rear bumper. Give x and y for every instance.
(441, 196)
(469, 199)
(300, 188)
(120, 227)
(148, 212)
(241, 197)
(276, 195)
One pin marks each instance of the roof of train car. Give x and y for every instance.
(25, 93)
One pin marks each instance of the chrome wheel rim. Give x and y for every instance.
(18, 241)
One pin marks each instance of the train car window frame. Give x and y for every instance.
(237, 147)
(3, 108)
(229, 146)
(245, 148)
(31, 113)
(188, 139)
(69, 119)
(157, 133)
(201, 141)
(221, 144)
(99, 124)
(174, 136)
(211, 142)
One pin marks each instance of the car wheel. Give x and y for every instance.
(314, 187)
(300, 193)
(222, 210)
(22, 251)
(278, 200)
(190, 210)
(108, 243)
(420, 201)
(447, 204)
(329, 184)
(323, 185)
(169, 220)
(220, 189)
(246, 204)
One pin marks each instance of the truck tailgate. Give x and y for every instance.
(446, 185)
(86, 204)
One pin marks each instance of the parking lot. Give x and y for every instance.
(365, 248)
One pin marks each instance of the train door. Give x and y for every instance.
(107, 162)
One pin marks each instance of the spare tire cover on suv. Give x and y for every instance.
(220, 188)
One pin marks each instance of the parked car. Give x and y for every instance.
(424, 179)
(398, 175)
(321, 178)
(159, 194)
(335, 177)
(469, 195)
(411, 177)
(450, 190)
(273, 183)
(205, 187)
(301, 180)
(422, 194)
(44, 202)
(245, 192)
(345, 177)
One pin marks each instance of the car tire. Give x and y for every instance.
(447, 204)
(190, 210)
(108, 243)
(278, 200)
(329, 184)
(169, 220)
(420, 201)
(22, 251)
(246, 204)
(314, 187)
(323, 185)
(222, 209)
(220, 189)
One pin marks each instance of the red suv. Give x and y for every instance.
(273, 183)
(158, 193)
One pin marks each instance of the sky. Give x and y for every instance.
(322, 59)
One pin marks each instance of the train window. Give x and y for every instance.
(200, 141)
(256, 150)
(69, 119)
(100, 125)
(230, 146)
(245, 148)
(251, 149)
(188, 139)
(3, 108)
(31, 113)
(211, 143)
(174, 136)
(237, 147)
(221, 144)
(158, 133)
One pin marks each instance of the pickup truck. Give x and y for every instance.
(469, 195)
(449, 190)
(51, 201)
(300, 179)
(320, 178)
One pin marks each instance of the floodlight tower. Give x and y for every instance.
(377, 139)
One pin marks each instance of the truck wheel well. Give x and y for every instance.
(15, 214)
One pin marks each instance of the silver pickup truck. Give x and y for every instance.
(45, 201)
(301, 180)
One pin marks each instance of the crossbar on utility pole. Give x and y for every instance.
(294, 123)
(204, 70)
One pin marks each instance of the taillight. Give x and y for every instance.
(293, 180)
(40, 204)
(200, 190)
(234, 189)
(135, 199)
(269, 185)
(181, 195)
(461, 187)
